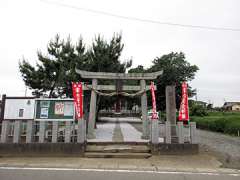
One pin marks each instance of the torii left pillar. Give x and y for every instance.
(92, 113)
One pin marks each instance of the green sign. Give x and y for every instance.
(54, 109)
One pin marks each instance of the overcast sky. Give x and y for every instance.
(27, 26)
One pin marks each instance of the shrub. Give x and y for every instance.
(198, 110)
(228, 123)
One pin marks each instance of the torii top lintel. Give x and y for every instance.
(106, 75)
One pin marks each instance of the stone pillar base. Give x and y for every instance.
(91, 136)
(145, 137)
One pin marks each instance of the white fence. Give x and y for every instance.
(175, 133)
(29, 131)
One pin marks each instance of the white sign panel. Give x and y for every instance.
(19, 109)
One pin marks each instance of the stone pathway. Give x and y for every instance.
(131, 134)
(117, 132)
(117, 135)
(104, 132)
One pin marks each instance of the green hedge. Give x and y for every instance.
(228, 123)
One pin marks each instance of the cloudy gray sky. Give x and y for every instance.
(27, 26)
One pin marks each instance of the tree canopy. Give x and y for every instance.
(54, 71)
(175, 71)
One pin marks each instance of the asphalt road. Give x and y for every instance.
(87, 174)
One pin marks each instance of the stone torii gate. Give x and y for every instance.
(118, 76)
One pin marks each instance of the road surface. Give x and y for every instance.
(11, 173)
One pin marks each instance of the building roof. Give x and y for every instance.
(230, 104)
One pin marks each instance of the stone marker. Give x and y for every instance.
(171, 108)
(167, 132)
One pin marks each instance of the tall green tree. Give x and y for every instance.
(176, 69)
(104, 56)
(54, 72)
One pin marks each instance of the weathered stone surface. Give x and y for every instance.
(5, 129)
(154, 132)
(29, 135)
(193, 133)
(67, 138)
(104, 75)
(180, 133)
(42, 131)
(145, 122)
(113, 88)
(168, 132)
(81, 131)
(92, 113)
(178, 149)
(54, 131)
(171, 108)
(41, 149)
(17, 131)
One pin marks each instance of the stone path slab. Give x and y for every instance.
(121, 119)
(117, 132)
(130, 134)
(104, 133)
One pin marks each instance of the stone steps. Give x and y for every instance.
(117, 150)
(118, 155)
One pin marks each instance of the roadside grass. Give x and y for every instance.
(224, 122)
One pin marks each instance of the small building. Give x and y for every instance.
(231, 106)
(201, 103)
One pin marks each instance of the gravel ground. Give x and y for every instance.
(225, 147)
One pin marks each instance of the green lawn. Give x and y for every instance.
(225, 122)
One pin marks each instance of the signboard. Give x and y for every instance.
(19, 108)
(78, 99)
(183, 111)
(54, 109)
(154, 108)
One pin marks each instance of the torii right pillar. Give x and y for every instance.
(171, 108)
(145, 122)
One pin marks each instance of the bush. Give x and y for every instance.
(228, 123)
(198, 110)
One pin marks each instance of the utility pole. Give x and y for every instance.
(25, 90)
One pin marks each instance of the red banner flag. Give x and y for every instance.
(77, 90)
(183, 111)
(154, 108)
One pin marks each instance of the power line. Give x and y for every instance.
(139, 19)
